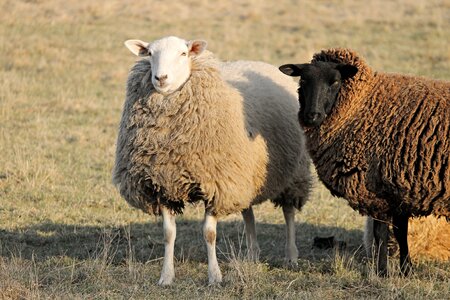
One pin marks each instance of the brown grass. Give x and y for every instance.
(64, 230)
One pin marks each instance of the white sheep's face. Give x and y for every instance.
(170, 60)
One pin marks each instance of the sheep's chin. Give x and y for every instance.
(168, 89)
(165, 90)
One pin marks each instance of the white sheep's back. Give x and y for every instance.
(270, 110)
(257, 74)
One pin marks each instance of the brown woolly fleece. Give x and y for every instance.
(385, 146)
(207, 142)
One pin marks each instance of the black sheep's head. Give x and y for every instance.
(320, 83)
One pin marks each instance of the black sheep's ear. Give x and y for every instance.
(292, 70)
(347, 71)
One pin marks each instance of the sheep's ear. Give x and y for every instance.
(137, 47)
(292, 70)
(196, 47)
(347, 71)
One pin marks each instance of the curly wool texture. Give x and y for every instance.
(207, 142)
(385, 146)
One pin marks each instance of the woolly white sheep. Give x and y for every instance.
(197, 129)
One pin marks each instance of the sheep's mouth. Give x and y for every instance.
(164, 90)
(312, 123)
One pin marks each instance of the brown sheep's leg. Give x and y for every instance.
(401, 235)
(250, 234)
(380, 233)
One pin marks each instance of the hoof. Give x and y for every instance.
(382, 273)
(253, 256)
(291, 265)
(166, 280)
(215, 278)
(406, 270)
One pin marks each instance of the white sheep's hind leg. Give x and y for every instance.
(291, 247)
(170, 232)
(250, 234)
(368, 238)
(209, 233)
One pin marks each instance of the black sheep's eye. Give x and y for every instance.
(335, 83)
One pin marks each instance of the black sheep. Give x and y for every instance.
(381, 141)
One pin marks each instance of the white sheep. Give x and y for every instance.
(196, 129)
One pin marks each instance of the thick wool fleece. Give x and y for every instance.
(206, 142)
(385, 146)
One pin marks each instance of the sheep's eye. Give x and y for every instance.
(183, 54)
(149, 53)
(335, 83)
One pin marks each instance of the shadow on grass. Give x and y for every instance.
(143, 242)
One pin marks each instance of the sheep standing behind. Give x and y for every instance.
(196, 129)
(381, 141)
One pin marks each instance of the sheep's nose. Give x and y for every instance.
(161, 78)
(313, 116)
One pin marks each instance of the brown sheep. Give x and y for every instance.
(381, 141)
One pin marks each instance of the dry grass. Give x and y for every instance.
(65, 232)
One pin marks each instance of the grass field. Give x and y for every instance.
(64, 230)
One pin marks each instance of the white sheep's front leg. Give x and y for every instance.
(291, 247)
(209, 233)
(170, 232)
(250, 234)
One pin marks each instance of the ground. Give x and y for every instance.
(64, 230)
